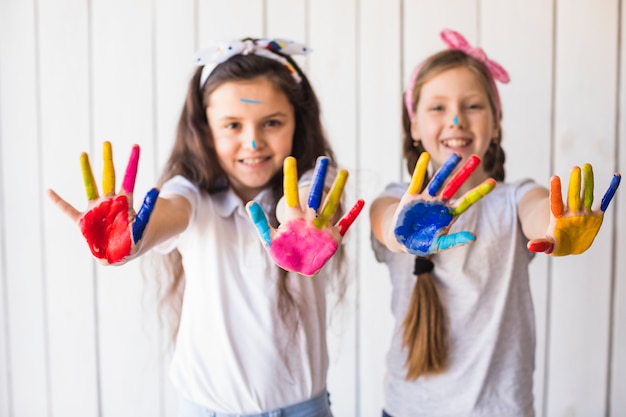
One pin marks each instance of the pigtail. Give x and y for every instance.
(425, 330)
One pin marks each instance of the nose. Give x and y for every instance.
(457, 121)
(253, 139)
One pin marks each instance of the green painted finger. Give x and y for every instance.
(588, 181)
(332, 201)
(473, 196)
(90, 183)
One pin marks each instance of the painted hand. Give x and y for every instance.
(423, 220)
(305, 241)
(572, 229)
(110, 225)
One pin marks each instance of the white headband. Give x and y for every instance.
(218, 52)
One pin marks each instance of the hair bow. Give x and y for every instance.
(455, 40)
(218, 52)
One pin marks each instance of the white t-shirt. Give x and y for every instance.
(234, 354)
(485, 290)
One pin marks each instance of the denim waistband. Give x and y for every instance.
(315, 407)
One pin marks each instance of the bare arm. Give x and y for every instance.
(534, 213)
(381, 217)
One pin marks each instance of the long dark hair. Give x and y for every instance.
(193, 156)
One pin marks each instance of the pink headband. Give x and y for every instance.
(455, 40)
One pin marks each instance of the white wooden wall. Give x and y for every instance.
(77, 339)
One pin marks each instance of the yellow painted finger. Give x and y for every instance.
(588, 183)
(573, 192)
(473, 196)
(90, 183)
(419, 173)
(108, 171)
(332, 201)
(290, 182)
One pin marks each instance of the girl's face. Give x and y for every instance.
(252, 124)
(454, 115)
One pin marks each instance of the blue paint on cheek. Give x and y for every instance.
(419, 223)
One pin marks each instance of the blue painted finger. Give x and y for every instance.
(443, 173)
(608, 196)
(260, 221)
(317, 188)
(144, 213)
(454, 239)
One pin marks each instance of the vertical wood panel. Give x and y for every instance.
(332, 74)
(617, 361)
(505, 31)
(22, 200)
(65, 129)
(174, 48)
(221, 20)
(123, 113)
(584, 132)
(379, 154)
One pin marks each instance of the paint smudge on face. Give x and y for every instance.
(455, 120)
(303, 248)
(106, 229)
(249, 100)
(419, 224)
(253, 145)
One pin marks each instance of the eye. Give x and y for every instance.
(273, 123)
(233, 125)
(475, 106)
(436, 108)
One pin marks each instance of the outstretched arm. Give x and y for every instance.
(307, 239)
(419, 222)
(571, 226)
(113, 230)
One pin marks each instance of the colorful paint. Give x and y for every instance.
(253, 145)
(610, 192)
(90, 183)
(108, 172)
(290, 182)
(556, 198)
(143, 215)
(317, 187)
(460, 177)
(251, 101)
(106, 229)
(419, 173)
(588, 181)
(474, 195)
(348, 219)
(131, 171)
(260, 221)
(455, 120)
(332, 201)
(419, 225)
(443, 173)
(573, 191)
(302, 248)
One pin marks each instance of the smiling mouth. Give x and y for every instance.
(456, 142)
(253, 161)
